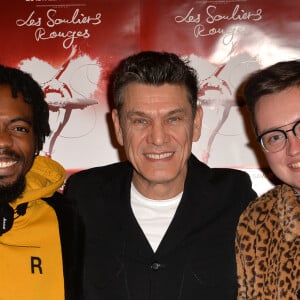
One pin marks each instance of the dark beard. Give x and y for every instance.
(11, 192)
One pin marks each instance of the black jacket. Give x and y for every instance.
(196, 258)
(71, 239)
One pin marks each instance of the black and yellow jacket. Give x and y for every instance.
(40, 254)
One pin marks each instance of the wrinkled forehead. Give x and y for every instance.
(144, 94)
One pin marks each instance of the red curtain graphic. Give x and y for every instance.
(70, 47)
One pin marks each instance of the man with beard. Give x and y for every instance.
(38, 231)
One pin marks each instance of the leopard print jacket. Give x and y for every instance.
(268, 247)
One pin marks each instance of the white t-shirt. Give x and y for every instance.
(153, 216)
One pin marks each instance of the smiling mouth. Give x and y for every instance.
(296, 165)
(7, 164)
(160, 155)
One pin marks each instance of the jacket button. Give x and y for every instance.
(155, 266)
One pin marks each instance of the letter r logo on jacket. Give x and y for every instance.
(36, 265)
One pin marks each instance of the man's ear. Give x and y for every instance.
(117, 126)
(197, 124)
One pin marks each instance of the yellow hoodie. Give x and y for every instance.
(30, 252)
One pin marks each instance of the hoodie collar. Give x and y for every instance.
(44, 178)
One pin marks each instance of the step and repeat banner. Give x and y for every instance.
(71, 46)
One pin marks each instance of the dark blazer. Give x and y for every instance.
(71, 239)
(196, 258)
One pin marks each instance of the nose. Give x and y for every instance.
(5, 139)
(158, 135)
(293, 145)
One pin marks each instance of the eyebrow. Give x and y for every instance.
(135, 113)
(18, 119)
(142, 114)
(294, 122)
(278, 128)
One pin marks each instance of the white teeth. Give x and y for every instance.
(296, 165)
(160, 156)
(6, 164)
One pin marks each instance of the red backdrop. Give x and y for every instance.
(70, 47)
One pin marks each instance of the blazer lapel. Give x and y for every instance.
(133, 235)
(196, 208)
